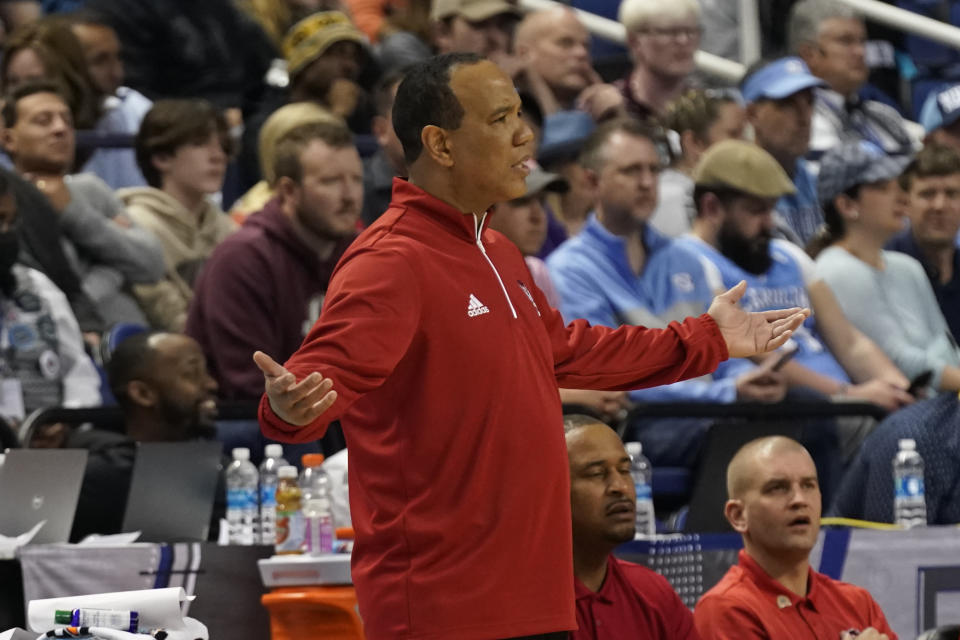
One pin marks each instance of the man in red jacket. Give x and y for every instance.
(442, 359)
(772, 593)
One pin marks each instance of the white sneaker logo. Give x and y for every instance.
(475, 307)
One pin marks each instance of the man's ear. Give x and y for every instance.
(633, 39)
(162, 162)
(691, 144)
(288, 190)
(710, 207)
(141, 394)
(9, 139)
(440, 32)
(436, 143)
(808, 52)
(735, 514)
(380, 127)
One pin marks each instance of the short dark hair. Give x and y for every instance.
(424, 98)
(591, 154)
(933, 160)
(131, 360)
(172, 124)
(10, 113)
(287, 151)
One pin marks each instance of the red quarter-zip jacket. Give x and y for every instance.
(446, 359)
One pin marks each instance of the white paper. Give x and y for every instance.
(11, 399)
(110, 540)
(158, 608)
(9, 546)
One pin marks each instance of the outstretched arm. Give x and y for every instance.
(748, 334)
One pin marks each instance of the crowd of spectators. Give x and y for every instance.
(130, 128)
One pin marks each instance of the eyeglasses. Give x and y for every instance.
(672, 33)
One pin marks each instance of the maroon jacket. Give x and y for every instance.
(261, 289)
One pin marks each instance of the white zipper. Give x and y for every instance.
(477, 224)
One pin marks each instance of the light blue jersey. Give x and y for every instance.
(801, 210)
(784, 285)
(595, 281)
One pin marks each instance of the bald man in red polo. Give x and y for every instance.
(773, 594)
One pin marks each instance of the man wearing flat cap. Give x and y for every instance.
(736, 186)
(620, 270)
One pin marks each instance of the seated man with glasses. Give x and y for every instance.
(831, 38)
(662, 37)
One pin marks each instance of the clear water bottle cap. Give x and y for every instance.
(312, 460)
(908, 444)
(241, 453)
(634, 448)
(273, 450)
(288, 471)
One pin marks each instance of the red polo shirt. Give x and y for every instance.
(748, 603)
(634, 602)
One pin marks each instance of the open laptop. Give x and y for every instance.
(172, 490)
(40, 484)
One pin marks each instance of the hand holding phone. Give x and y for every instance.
(918, 384)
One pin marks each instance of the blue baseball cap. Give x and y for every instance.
(564, 133)
(941, 108)
(778, 80)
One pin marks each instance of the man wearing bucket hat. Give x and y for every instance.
(736, 186)
(325, 54)
(779, 103)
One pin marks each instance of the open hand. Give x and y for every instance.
(298, 403)
(748, 334)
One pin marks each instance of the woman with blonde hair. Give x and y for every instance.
(696, 120)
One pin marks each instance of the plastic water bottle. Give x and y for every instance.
(642, 472)
(318, 512)
(242, 478)
(289, 512)
(272, 461)
(909, 501)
